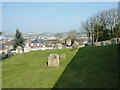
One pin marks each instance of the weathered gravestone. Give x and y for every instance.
(2, 55)
(74, 46)
(43, 47)
(86, 45)
(102, 43)
(19, 49)
(59, 46)
(8, 52)
(98, 44)
(62, 56)
(113, 41)
(27, 49)
(53, 60)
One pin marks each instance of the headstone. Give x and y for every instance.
(27, 45)
(107, 42)
(59, 46)
(11, 47)
(102, 43)
(86, 44)
(74, 46)
(2, 54)
(113, 41)
(43, 47)
(8, 52)
(98, 44)
(53, 60)
(27, 49)
(62, 56)
(19, 49)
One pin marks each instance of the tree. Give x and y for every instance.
(72, 34)
(59, 35)
(86, 28)
(19, 40)
(112, 18)
(117, 31)
(102, 26)
(1, 33)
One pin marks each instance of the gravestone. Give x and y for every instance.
(98, 44)
(43, 47)
(2, 54)
(19, 49)
(27, 45)
(102, 43)
(62, 56)
(53, 60)
(8, 52)
(27, 49)
(74, 46)
(86, 45)
(11, 47)
(59, 46)
(113, 41)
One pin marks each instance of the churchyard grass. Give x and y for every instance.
(29, 70)
(88, 67)
(92, 67)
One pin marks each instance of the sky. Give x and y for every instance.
(49, 16)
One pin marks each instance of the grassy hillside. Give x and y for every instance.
(89, 67)
(30, 70)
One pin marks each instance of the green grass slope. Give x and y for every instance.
(29, 70)
(91, 67)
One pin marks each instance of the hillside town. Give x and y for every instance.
(44, 43)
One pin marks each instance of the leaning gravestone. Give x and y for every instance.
(19, 49)
(53, 60)
(62, 56)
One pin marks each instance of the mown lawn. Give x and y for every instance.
(92, 67)
(88, 67)
(29, 70)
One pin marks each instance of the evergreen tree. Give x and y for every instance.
(0, 33)
(19, 40)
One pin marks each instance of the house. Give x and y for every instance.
(35, 43)
(68, 41)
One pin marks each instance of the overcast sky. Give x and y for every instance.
(49, 16)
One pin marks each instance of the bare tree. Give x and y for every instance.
(95, 26)
(59, 36)
(112, 18)
(72, 34)
(86, 28)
